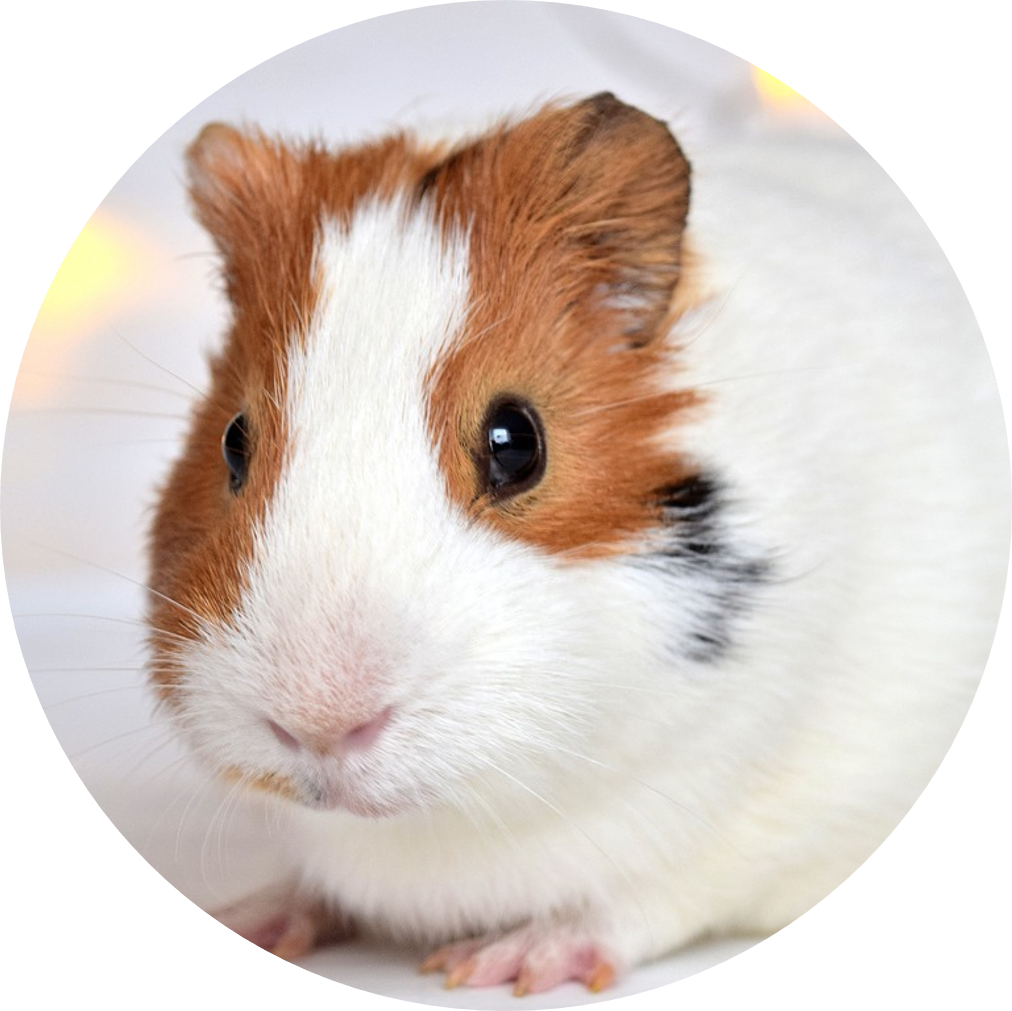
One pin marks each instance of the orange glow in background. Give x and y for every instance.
(776, 95)
(100, 271)
(108, 269)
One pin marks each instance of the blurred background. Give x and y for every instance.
(117, 353)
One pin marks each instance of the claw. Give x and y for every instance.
(281, 922)
(459, 975)
(534, 961)
(601, 978)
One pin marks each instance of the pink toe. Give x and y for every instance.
(536, 964)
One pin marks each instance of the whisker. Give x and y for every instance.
(133, 622)
(105, 381)
(34, 412)
(573, 825)
(772, 374)
(158, 365)
(119, 575)
(653, 789)
(86, 670)
(84, 753)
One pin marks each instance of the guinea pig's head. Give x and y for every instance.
(392, 561)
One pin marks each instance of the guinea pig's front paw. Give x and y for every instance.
(278, 920)
(536, 959)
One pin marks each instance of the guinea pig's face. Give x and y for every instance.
(391, 562)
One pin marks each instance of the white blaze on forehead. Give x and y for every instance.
(360, 485)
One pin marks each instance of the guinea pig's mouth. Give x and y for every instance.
(330, 798)
(325, 793)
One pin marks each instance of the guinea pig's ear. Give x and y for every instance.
(586, 201)
(214, 164)
(227, 169)
(218, 150)
(623, 192)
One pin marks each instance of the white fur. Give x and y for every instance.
(553, 756)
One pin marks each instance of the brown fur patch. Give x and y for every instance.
(575, 220)
(266, 782)
(262, 202)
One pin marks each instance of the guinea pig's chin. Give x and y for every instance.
(340, 796)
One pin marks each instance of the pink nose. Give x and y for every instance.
(337, 742)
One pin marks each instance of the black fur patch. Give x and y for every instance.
(697, 544)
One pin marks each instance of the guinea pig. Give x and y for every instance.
(590, 550)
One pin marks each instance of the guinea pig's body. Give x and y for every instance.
(597, 560)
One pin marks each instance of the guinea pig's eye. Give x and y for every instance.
(516, 449)
(235, 450)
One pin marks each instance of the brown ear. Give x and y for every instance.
(623, 183)
(214, 156)
(231, 174)
(260, 200)
(590, 198)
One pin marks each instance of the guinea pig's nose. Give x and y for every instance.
(290, 741)
(364, 734)
(336, 741)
